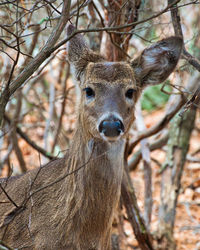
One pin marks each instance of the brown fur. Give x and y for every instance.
(76, 208)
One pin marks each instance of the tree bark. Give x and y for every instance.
(120, 13)
(177, 148)
(130, 202)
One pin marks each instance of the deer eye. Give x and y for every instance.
(89, 92)
(129, 93)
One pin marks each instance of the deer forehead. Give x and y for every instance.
(111, 73)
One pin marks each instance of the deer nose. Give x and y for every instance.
(111, 128)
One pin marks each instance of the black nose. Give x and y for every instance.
(111, 128)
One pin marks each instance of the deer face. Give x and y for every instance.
(109, 94)
(109, 90)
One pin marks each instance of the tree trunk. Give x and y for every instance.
(130, 202)
(177, 148)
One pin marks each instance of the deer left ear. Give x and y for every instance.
(79, 53)
(158, 61)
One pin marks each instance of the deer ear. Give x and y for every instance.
(79, 54)
(157, 62)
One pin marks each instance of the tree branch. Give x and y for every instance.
(178, 32)
(30, 142)
(38, 60)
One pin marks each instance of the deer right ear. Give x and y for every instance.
(157, 62)
(79, 54)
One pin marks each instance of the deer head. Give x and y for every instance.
(109, 90)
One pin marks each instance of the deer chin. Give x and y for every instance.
(110, 139)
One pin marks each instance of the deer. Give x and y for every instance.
(69, 203)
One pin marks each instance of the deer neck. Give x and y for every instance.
(96, 183)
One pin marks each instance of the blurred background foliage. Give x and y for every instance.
(154, 98)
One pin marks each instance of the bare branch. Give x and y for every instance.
(9, 198)
(178, 32)
(38, 60)
(30, 142)
(45, 52)
(135, 159)
(110, 29)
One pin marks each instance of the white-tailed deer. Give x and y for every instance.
(69, 203)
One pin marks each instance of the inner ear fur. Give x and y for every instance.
(158, 61)
(79, 54)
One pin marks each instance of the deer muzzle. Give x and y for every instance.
(111, 128)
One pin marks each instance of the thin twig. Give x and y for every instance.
(30, 142)
(63, 107)
(9, 198)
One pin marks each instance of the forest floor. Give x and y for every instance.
(187, 224)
